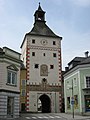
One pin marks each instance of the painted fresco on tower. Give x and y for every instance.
(44, 70)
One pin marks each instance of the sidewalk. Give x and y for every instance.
(76, 117)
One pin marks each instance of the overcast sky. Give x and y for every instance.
(67, 18)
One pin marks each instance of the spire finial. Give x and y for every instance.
(39, 7)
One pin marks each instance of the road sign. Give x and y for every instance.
(72, 102)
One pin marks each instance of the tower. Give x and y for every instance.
(41, 53)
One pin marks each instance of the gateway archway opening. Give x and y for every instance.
(45, 104)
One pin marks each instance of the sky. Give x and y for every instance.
(69, 19)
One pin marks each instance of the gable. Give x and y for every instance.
(12, 67)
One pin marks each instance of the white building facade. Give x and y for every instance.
(9, 83)
(41, 53)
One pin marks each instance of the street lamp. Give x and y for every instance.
(72, 101)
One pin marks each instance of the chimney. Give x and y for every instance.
(86, 54)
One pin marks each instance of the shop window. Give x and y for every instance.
(87, 103)
(68, 102)
(75, 101)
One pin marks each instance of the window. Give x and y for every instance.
(23, 93)
(87, 103)
(54, 54)
(68, 85)
(51, 66)
(54, 42)
(33, 53)
(43, 54)
(23, 82)
(33, 41)
(75, 82)
(12, 78)
(36, 65)
(68, 102)
(88, 82)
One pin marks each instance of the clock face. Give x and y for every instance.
(44, 42)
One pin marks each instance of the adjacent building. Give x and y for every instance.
(22, 88)
(9, 82)
(77, 86)
(41, 53)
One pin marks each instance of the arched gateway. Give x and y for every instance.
(45, 103)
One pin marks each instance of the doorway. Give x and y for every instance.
(23, 107)
(45, 103)
(10, 106)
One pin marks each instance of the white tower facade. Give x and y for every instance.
(41, 53)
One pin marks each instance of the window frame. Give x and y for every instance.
(36, 66)
(75, 82)
(33, 41)
(51, 66)
(86, 84)
(54, 55)
(54, 42)
(44, 54)
(12, 81)
(23, 92)
(23, 83)
(33, 53)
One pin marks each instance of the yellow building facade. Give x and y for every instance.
(22, 89)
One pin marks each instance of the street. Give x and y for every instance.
(48, 116)
(39, 116)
